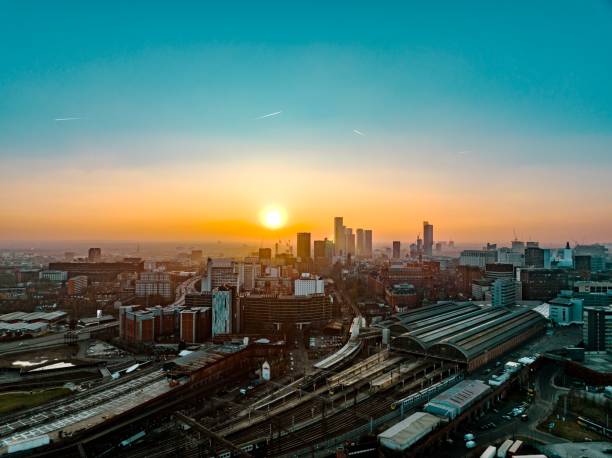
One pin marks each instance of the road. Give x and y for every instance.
(546, 396)
(187, 287)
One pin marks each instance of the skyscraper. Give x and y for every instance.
(368, 243)
(360, 242)
(396, 249)
(303, 246)
(323, 252)
(427, 238)
(339, 236)
(349, 240)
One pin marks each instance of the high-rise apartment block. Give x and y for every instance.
(360, 243)
(396, 249)
(428, 238)
(339, 236)
(303, 246)
(368, 243)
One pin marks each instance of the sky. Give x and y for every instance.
(148, 120)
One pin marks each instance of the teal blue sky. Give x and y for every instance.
(486, 90)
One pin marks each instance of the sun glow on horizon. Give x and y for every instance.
(273, 217)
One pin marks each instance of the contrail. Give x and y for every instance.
(359, 132)
(66, 119)
(276, 113)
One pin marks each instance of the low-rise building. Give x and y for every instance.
(565, 310)
(401, 297)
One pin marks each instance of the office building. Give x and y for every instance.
(368, 243)
(503, 292)
(508, 256)
(582, 263)
(428, 238)
(265, 254)
(56, 276)
(597, 328)
(497, 270)
(222, 311)
(307, 285)
(396, 250)
(270, 314)
(598, 255)
(339, 236)
(303, 246)
(534, 256)
(77, 285)
(481, 289)
(360, 243)
(478, 258)
(94, 255)
(323, 252)
(221, 272)
(543, 284)
(154, 284)
(518, 246)
(565, 310)
(247, 274)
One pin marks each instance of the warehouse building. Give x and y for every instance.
(454, 401)
(407, 432)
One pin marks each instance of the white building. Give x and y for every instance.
(53, 275)
(565, 310)
(308, 285)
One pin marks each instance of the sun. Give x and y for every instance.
(273, 217)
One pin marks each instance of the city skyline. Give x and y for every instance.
(424, 114)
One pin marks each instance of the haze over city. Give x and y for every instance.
(182, 124)
(305, 229)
